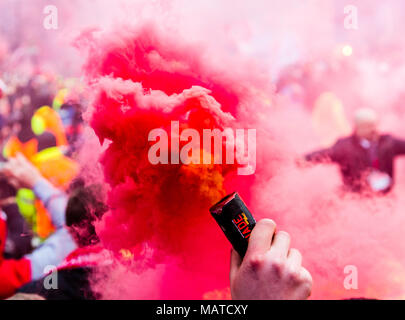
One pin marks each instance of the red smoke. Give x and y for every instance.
(141, 79)
(144, 79)
(144, 82)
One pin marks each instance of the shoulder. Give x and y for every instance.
(344, 142)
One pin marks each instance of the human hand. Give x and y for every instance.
(270, 270)
(20, 172)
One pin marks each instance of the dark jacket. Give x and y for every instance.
(354, 160)
(75, 276)
(73, 284)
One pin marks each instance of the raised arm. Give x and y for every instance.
(24, 174)
(320, 155)
(54, 200)
(60, 244)
(333, 153)
(13, 273)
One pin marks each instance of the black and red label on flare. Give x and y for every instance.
(235, 220)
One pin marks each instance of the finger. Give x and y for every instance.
(236, 261)
(294, 259)
(305, 274)
(307, 280)
(281, 244)
(261, 237)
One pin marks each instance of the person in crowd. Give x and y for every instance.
(20, 204)
(366, 158)
(76, 273)
(16, 272)
(73, 248)
(19, 235)
(71, 116)
(38, 140)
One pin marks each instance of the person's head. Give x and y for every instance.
(83, 209)
(366, 123)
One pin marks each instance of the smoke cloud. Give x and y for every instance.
(290, 70)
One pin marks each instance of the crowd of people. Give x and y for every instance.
(40, 128)
(365, 158)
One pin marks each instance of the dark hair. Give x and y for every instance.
(83, 209)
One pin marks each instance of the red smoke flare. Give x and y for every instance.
(143, 82)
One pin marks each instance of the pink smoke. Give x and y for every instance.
(145, 78)
(143, 82)
(273, 66)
